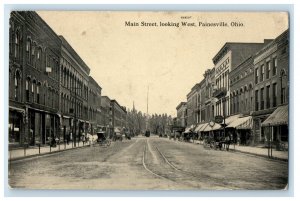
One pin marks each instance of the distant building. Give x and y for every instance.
(105, 120)
(208, 102)
(182, 114)
(94, 105)
(193, 115)
(118, 115)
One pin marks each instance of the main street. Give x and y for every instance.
(148, 163)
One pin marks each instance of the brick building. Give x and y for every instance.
(74, 93)
(228, 57)
(34, 80)
(105, 120)
(271, 65)
(181, 114)
(94, 104)
(192, 106)
(118, 115)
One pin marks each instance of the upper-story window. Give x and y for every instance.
(268, 71)
(256, 75)
(39, 58)
(274, 94)
(17, 44)
(38, 93)
(27, 83)
(17, 91)
(274, 65)
(33, 91)
(28, 50)
(262, 72)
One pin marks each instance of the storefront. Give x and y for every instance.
(42, 127)
(276, 128)
(243, 129)
(66, 128)
(16, 126)
(214, 130)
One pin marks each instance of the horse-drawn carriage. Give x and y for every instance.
(102, 140)
(217, 142)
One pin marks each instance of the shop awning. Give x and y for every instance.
(279, 117)
(17, 109)
(197, 129)
(241, 123)
(189, 129)
(203, 127)
(231, 119)
(216, 126)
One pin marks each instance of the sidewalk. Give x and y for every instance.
(19, 153)
(258, 151)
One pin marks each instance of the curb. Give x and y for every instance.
(260, 155)
(250, 153)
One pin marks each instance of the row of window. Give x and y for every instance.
(42, 61)
(73, 83)
(241, 102)
(266, 70)
(36, 93)
(222, 81)
(80, 110)
(241, 75)
(266, 97)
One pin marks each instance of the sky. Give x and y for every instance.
(125, 60)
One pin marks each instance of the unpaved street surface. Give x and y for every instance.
(148, 163)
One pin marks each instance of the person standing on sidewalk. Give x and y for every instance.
(227, 142)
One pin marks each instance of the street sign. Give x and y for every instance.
(219, 119)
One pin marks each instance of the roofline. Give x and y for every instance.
(228, 44)
(77, 57)
(122, 107)
(180, 104)
(93, 80)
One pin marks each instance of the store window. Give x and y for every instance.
(15, 120)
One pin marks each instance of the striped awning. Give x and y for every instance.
(203, 127)
(189, 129)
(197, 129)
(279, 117)
(229, 120)
(242, 123)
(216, 126)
